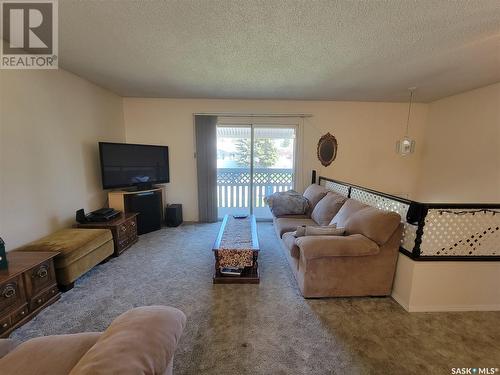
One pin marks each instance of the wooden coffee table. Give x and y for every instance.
(250, 275)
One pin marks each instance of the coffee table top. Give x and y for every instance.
(234, 227)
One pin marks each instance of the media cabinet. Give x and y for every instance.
(148, 204)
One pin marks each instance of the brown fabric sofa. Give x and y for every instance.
(361, 263)
(79, 251)
(141, 341)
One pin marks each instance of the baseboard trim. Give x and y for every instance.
(443, 308)
(396, 297)
(454, 308)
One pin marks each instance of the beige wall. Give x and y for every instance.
(447, 286)
(50, 124)
(461, 152)
(366, 133)
(460, 163)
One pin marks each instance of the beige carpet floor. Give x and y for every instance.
(267, 328)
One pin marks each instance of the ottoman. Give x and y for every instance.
(79, 251)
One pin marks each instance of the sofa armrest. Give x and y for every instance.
(141, 341)
(6, 346)
(312, 247)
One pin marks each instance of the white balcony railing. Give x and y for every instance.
(233, 186)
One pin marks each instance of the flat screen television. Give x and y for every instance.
(132, 165)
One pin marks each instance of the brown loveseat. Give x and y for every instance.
(141, 341)
(360, 263)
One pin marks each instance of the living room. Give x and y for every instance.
(367, 73)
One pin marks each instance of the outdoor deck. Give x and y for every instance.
(234, 190)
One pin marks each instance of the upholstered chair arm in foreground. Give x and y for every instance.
(6, 346)
(141, 341)
(313, 247)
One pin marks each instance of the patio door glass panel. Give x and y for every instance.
(273, 165)
(253, 161)
(233, 170)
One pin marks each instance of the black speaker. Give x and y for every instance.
(80, 216)
(173, 215)
(148, 206)
(313, 177)
(3, 256)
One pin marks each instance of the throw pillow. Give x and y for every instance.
(300, 232)
(349, 208)
(313, 194)
(287, 203)
(329, 230)
(327, 208)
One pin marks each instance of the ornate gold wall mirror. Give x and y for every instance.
(327, 149)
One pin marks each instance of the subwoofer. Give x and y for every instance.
(148, 206)
(173, 215)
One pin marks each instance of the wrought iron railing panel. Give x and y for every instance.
(381, 202)
(409, 236)
(461, 232)
(436, 231)
(338, 188)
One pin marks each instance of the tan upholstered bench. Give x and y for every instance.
(79, 251)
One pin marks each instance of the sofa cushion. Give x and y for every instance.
(327, 208)
(348, 208)
(314, 193)
(286, 224)
(71, 243)
(141, 341)
(357, 245)
(378, 225)
(49, 355)
(289, 241)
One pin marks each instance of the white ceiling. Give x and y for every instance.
(282, 49)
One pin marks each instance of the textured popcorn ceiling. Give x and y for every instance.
(278, 49)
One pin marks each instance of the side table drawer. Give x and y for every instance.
(122, 230)
(5, 324)
(19, 314)
(127, 235)
(127, 229)
(132, 227)
(41, 277)
(42, 298)
(12, 294)
(122, 243)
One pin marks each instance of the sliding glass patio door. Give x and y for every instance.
(253, 161)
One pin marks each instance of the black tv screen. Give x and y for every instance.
(125, 165)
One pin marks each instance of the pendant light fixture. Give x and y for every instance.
(406, 145)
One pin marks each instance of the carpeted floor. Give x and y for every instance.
(267, 328)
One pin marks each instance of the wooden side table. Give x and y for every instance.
(26, 288)
(123, 228)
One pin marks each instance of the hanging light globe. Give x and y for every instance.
(406, 145)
